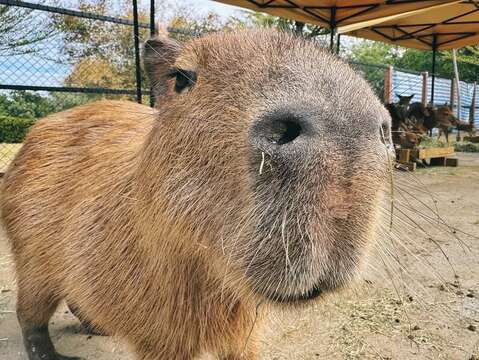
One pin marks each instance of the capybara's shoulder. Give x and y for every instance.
(93, 140)
(94, 120)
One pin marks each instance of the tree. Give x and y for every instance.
(21, 32)
(418, 60)
(256, 19)
(26, 104)
(102, 54)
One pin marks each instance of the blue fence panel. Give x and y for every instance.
(442, 91)
(405, 84)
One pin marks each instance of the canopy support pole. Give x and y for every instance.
(136, 34)
(332, 26)
(433, 70)
(472, 109)
(458, 84)
(338, 44)
(152, 34)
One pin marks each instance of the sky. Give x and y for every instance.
(222, 9)
(22, 70)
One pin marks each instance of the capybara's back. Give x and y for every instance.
(65, 181)
(257, 180)
(66, 160)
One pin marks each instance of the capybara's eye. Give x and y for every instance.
(184, 79)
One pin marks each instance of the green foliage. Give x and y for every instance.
(432, 142)
(25, 104)
(31, 105)
(374, 75)
(13, 130)
(256, 19)
(374, 53)
(466, 146)
(418, 60)
(102, 53)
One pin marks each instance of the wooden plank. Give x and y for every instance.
(452, 162)
(404, 155)
(434, 153)
(438, 161)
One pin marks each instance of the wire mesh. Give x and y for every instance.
(51, 61)
(374, 75)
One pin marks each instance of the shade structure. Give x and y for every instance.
(335, 13)
(450, 26)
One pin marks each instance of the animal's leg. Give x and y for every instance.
(86, 323)
(242, 351)
(154, 349)
(246, 356)
(35, 306)
(446, 131)
(161, 356)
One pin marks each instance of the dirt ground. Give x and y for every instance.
(418, 297)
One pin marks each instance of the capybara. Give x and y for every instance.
(256, 181)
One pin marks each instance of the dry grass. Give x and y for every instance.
(7, 153)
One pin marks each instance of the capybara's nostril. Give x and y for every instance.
(285, 132)
(276, 129)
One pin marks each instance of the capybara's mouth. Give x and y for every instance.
(308, 295)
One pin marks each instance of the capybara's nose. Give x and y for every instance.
(277, 130)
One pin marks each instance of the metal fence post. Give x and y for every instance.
(152, 33)
(452, 96)
(472, 110)
(136, 33)
(424, 88)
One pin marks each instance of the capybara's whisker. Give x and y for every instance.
(176, 227)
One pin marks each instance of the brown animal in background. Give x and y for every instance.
(464, 126)
(444, 119)
(256, 181)
(407, 121)
(404, 100)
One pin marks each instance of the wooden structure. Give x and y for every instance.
(388, 85)
(435, 156)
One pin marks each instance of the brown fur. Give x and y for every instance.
(168, 227)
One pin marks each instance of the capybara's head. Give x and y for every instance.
(269, 157)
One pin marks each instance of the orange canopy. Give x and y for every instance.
(335, 13)
(449, 26)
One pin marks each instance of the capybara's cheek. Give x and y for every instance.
(255, 179)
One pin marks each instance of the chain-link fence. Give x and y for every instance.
(52, 59)
(373, 73)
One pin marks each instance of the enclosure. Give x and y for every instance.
(419, 295)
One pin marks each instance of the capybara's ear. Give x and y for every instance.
(159, 54)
